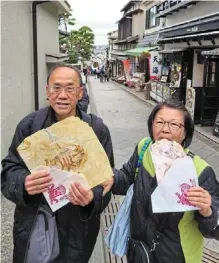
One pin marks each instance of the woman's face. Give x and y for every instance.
(169, 124)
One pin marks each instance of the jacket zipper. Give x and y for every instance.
(145, 251)
(27, 247)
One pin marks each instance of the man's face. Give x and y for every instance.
(64, 91)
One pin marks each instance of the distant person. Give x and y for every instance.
(110, 72)
(98, 72)
(102, 72)
(107, 74)
(85, 71)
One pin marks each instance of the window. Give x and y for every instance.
(151, 20)
(211, 74)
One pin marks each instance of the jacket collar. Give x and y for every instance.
(51, 116)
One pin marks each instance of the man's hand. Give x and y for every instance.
(107, 185)
(37, 182)
(201, 198)
(80, 196)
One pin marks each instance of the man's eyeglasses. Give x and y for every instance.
(68, 89)
(171, 124)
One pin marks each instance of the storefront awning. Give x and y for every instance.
(172, 51)
(132, 38)
(213, 52)
(189, 37)
(118, 53)
(136, 52)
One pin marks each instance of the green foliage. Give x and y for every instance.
(66, 19)
(73, 58)
(95, 65)
(79, 43)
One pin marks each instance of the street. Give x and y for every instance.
(126, 118)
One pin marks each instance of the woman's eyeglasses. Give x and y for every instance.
(173, 125)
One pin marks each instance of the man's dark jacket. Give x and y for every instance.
(78, 227)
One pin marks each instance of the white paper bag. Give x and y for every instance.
(57, 193)
(164, 153)
(170, 194)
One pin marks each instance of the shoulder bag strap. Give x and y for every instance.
(141, 155)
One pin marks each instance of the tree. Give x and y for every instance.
(79, 44)
(65, 20)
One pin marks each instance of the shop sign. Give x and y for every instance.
(175, 76)
(127, 69)
(166, 5)
(204, 25)
(192, 29)
(190, 101)
(216, 126)
(155, 65)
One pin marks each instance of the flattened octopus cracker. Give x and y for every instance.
(70, 145)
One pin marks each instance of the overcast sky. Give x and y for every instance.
(100, 15)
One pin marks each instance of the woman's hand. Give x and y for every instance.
(201, 198)
(80, 196)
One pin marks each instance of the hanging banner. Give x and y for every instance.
(155, 65)
(190, 101)
(127, 69)
(216, 126)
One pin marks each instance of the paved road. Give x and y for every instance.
(126, 118)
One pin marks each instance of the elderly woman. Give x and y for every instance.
(171, 237)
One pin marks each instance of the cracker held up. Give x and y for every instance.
(164, 153)
(70, 145)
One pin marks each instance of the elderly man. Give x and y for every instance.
(78, 222)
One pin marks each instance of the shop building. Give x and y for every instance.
(190, 30)
(129, 27)
(147, 40)
(112, 37)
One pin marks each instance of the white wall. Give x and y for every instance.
(48, 42)
(17, 86)
(198, 72)
(138, 23)
(201, 9)
(17, 93)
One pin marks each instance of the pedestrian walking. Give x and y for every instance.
(98, 72)
(102, 72)
(95, 73)
(107, 74)
(78, 222)
(110, 72)
(85, 71)
(167, 237)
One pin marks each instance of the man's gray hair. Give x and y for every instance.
(64, 65)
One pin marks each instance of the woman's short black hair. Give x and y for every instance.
(178, 105)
